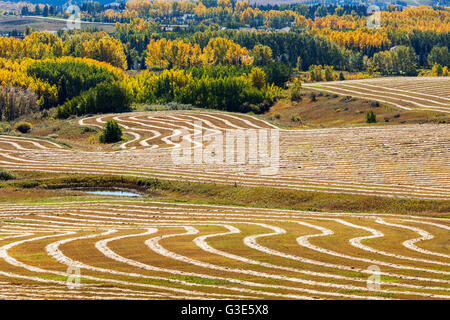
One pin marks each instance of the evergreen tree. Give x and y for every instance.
(111, 132)
(371, 117)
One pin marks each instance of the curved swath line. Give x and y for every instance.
(32, 139)
(61, 294)
(217, 208)
(395, 94)
(211, 132)
(4, 140)
(248, 122)
(81, 122)
(211, 126)
(68, 223)
(251, 242)
(52, 226)
(358, 96)
(225, 121)
(304, 242)
(410, 244)
(187, 137)
(54, 251)
(16, 228)
(144, 142)
(130, 130)
(132, 204)
(136, 136)
(356, 242)
(5, 256)
(102, 246)
(412, 94)
(205, 137)
(98, 288)
(91, 293)
(377, 97)
(195, 125)
(15, 145)
(100, 119)
(438, 225)
(201, 243)
(21, 235)
(153, 244)
(62, 283)
(167, 139)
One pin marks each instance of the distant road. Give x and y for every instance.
(66, 20)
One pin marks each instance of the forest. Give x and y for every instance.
(227, 55)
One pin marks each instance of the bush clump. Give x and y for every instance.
(295, 91)
(6, 175)
(4, 127)
(111, 133)
(371, 117)
(23, 126)
(296, 119)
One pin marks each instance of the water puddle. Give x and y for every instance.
(115, 193)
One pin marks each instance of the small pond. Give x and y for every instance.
(114, 193)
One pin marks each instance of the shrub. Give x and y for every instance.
(312, 97)
(23, 127)
(296, 119)
(5, 127)
(295, 92)
(6, 175)
(111, 133)
(277, 115)
(371, 117)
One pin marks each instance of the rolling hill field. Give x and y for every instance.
(181, 241)
(427, 93)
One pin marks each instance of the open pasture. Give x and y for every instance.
(156, 250)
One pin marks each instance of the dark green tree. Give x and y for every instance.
(371, 117)
(111, 132)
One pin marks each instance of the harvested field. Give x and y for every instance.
(426, 93)
(156, 250)
(409, 161)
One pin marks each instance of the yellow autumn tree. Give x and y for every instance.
(200, 10)
(224, 51)
(170, 54)
(106, 49)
